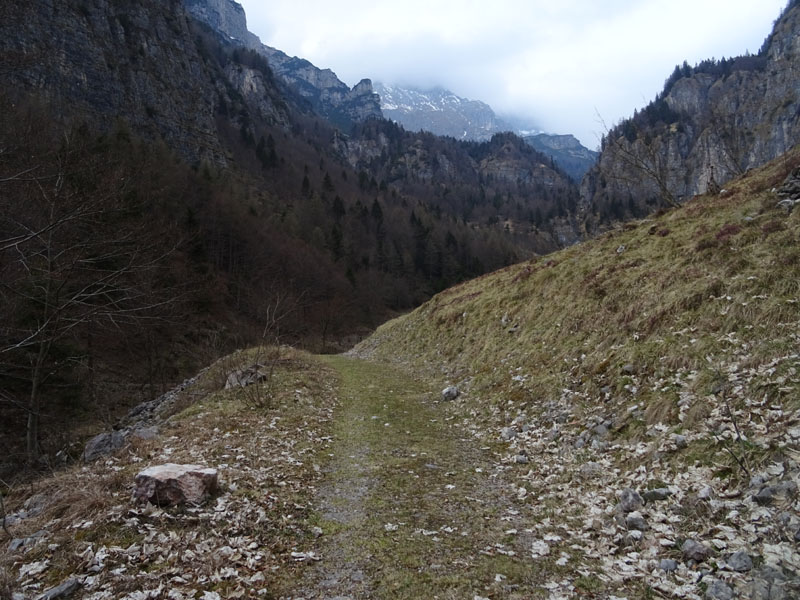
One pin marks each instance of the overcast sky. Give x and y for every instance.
(559, 63)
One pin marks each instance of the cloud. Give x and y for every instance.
(556, 63)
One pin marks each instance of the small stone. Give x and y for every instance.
(599, 446)
(740, 561)
(705, 493)
(668, 565)
(719, 590)
(628, 369)
(605, 390)
(765, 496)
(508, 434)
(450, 393)
(680, 441)
(629, 500)
(656, 495)
(757, 481)
(635, 520)
(601, 430)
(521, 459)
(695, 551)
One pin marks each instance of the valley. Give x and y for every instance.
(392, 349)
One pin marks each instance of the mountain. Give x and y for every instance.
(568, 153)
(327, 95)
(711, 122)
(442, 112)
(215, 207)
(647, 380)
(439, 111)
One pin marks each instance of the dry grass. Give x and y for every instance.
(693, 292)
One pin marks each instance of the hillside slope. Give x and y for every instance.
(662, 355)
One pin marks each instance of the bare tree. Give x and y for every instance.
(75, 255)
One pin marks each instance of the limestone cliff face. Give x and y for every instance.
(711, 124)
(138, 62)
(326, 93)
(225, 16)
(110, 60)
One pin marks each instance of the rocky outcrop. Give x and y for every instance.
(567, 152)
(327, 94)
(712, 123)
(225, 16)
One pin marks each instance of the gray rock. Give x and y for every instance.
(247, 376)
(656, 495)
(599, 446)
(508, 434)
(719, 590)
(600, 430)
(757, 481)
(635, 520)
(765, 496)
(680, 441)
(695, 551)
(740, 561)
(31, 540)
(64, 590)
(521, 459)
(145, 433)
(629, 500)
(172, 484)
(705, 493)
(668, 565)
(450, 393)
(104, 444)
(628, 369)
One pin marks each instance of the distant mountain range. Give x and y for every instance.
(442, 112)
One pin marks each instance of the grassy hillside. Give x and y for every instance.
(664, 354)
(697, 291)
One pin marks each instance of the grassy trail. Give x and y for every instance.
(409, 507)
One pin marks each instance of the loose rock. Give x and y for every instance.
(695, 551)
(668, 565)
(719, 590)
(656, 494)
(450, 393)
(172, 484)
(740, 561)
(64, 590)
(629, 500)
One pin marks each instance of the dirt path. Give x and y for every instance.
(410, 507)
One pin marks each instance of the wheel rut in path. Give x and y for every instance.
(410, 505)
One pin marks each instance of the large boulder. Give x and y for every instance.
(171, 484)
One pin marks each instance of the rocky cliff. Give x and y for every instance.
(109, 60)
(226, 16)
(711, 123)
(567, 152)
(327, 94)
